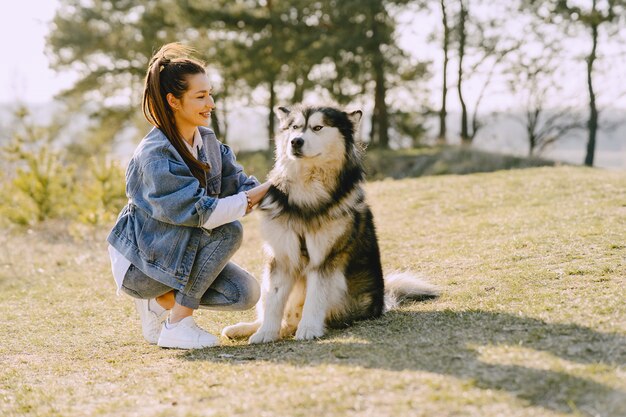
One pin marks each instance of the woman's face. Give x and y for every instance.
(195, 106)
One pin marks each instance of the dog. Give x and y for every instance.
(324, 268)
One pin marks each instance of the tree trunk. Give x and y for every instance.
(592, 124)
(374, 128)
(215, 124)
(271, 120)
(380, 117)
(380, 106)
(532, 120)
(441, 138)
(298, 93)
(272, 103)
(532, 141)
(465, 137)
(225, 114)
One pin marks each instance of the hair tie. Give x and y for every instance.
(163, 61)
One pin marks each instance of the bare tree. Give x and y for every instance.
(533, 74)
(599, 14)
(462, 39)
(487, 44)
(441, 137)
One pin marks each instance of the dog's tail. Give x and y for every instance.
(401, 286)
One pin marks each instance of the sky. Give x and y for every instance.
(25, 75)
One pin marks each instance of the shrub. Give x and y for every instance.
(38, 181)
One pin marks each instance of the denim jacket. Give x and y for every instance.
(159, 229)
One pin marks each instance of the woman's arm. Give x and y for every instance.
(257, 193)
(234, 207)
(171, 194)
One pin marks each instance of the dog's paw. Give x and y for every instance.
(287, 331)
(309, 332)
(262, 336)
(240, 330)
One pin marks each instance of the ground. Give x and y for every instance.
(531, 321)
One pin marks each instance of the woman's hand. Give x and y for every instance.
(256, 194)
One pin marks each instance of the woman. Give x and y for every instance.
(171, 245)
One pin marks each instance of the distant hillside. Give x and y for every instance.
(443, 160)
(418, 162)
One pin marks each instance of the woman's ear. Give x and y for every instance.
(172, 101)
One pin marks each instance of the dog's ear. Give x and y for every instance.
(355, 117)
(282, 112)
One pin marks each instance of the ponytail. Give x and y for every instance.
(167, 73)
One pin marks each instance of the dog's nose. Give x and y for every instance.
(297, 143)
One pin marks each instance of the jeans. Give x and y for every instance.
(214, 283)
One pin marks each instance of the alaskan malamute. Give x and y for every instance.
(323, 267)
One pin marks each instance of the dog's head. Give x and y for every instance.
(317, 135)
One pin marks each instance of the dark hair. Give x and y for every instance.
(167, 73)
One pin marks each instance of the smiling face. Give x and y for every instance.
(194, 108)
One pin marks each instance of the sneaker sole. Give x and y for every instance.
(180, 344)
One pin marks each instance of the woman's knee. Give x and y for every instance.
(251, 295)
(232, 295)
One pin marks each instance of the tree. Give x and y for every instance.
(484, 40)
(109, 43)
(533, 74)
(600, 14)
(363, 58)
(273, 46)
(278, 48)
(347, 48)
(441, 137)
(462, 39)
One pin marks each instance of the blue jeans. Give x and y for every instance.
(214, 282)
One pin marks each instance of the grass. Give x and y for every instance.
(532, 320)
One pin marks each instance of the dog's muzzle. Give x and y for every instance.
(296, 146)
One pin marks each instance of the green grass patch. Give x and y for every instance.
(531, 322)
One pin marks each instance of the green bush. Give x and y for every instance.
(41, 182)
(38, 181)
(101, 192)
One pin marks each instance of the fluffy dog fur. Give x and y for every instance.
(323, 266)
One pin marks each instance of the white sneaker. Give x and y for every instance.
(152, 315)
(185, 335)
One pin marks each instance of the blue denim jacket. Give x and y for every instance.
(159, 229)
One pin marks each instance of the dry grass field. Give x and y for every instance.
(531, 322)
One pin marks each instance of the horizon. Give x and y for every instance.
(504, 136)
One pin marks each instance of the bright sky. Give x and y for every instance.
(24, 71)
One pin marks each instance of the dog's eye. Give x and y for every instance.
(317, 128)
(295, 127)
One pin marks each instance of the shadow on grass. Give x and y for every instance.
(446, 342)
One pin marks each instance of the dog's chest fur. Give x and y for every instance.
(302, 224)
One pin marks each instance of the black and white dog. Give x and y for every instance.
(324, 266)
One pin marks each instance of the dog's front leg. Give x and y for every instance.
(280, 283)
(323, 291)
